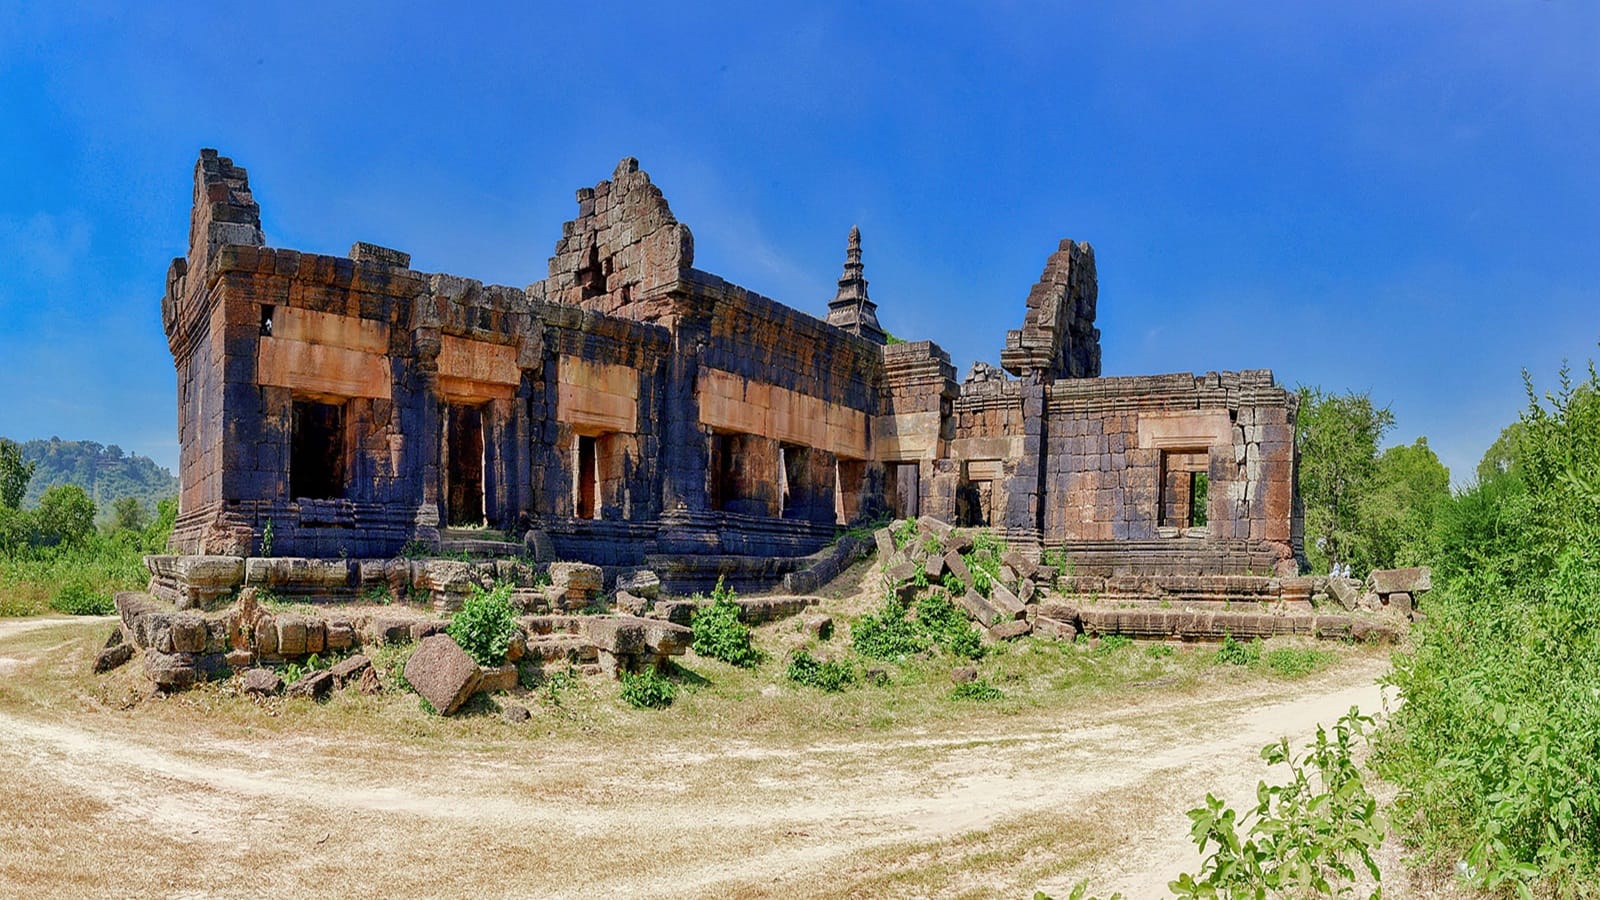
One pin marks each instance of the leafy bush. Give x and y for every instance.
(983, 560)
(485, 625)
(1159, 651)
(828, 675)
(648, 690)
(947, 625)
(1305, 837)
(1496, 747)
(77, 599)
(980, 691)
(1234, 653)
(718, 633)
(887, 633)
(905, 533)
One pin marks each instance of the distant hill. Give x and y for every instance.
(105, 472)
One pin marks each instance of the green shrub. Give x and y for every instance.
(78, 599)
(648, 690)
(1159, 651)
(1306, 837)
(830, 675)
(983, 560)
(718, 633)
(980, 691)
(485, 624)
(1495, 746)
(887, 634)
(1235, 653)
(905, 533)
(947, 625)
(1294, 662)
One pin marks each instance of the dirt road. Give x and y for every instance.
(98, 801)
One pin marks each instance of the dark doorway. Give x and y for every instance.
(316, 451)
(794, 465)
(902, 488)
(587, 478)
(464, 478)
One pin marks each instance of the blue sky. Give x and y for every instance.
(1389, 196)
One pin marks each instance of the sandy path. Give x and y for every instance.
(740, 818)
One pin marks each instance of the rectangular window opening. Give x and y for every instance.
(1184, 486)
(316, 451)
(267, 311)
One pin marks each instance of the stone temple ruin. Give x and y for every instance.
(350, 424)
(630, 409)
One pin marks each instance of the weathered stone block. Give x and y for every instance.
(1392, 581)
(1008, 631)
(576, 581)
(640, 583)
(291, 635)
(312, 685)
(1054, 628)
(346, 670)
(170, 670)
(1008, 603)
(958, 567)
(442, 673)
(496, 679)
(979, 608)
(261, 682)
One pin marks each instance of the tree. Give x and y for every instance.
(127, 514)
(1501, 457)
(65, 515)
(1337, 436)
(14, 474)
(1397, 516)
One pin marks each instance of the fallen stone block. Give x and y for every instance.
(496, 679)
(515, 713)
(170, 670)
(1401, 601)
(1055, 629)
(885, 541)
(347, 670)
(1416, 580)
(576, 582)
(900, 573)
(261, 682)
(979, 608)
(958, 567)
(442, 673)
(112, 657)
(959, 542)
(819, 627)
(760, 610)
(367, 684)
(1008, 603)
(1347, 591)
(640, 583)
(1023, 566)
(934, 528)
(1008, 631)
(934, 568)
(428, 628)
(1061, 612)
(964, 674)
(632, 604)
(678, 612)
(312, 685)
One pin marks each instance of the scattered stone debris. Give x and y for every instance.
(314, 685)
(818, 626)
(349, 669)
(515, 713)
(964, 674)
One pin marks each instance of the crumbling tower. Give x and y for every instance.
(850, 308)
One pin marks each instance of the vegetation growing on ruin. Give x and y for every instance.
(718, 633)
(1496, 748)
(648, 690)
(896, 630)
(485, 625)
